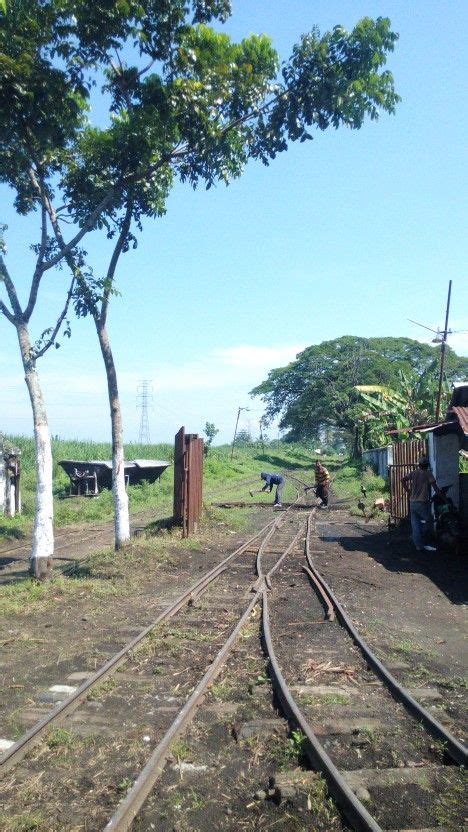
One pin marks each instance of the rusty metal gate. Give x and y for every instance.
(188, 481)
(405, 459)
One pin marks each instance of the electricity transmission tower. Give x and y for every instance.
(144, 399)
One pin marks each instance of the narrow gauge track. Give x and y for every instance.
(399, 795)
(225, 602)
(396, 796)
(382, 757)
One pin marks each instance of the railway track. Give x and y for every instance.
(232, 587)
(353, 729)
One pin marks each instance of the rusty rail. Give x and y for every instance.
(22, 746)
(136, 797)
(453, 747)
(354, 810)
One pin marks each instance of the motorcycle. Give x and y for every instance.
(447, 521)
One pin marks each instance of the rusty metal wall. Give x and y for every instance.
(188, 481)
(179, 476)
(408, 453)
(405, 460)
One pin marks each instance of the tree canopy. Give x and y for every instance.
(318, 389)
(183, 100)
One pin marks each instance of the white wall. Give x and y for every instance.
(443, 456)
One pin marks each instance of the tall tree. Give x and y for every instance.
(318, 389)
(182, 100)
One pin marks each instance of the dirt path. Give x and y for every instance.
(411, 608)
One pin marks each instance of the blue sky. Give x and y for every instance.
(352, 233)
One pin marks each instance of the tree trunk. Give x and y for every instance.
(121, 517)
(40, 559)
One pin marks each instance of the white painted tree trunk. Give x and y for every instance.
(121, 514)
(43, 533)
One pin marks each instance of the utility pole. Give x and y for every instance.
(442, 353)
(235, 429)
(441, 338)
(144, 397)
(261, 436)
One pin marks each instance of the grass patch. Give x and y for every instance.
(27, 595)
(406, 647)
(59, 738)
(100, 691)
(447, 810)
(180, 749)
(288, 753)
(348, 477)
(26, 822)
(451, 683)
(222, 690)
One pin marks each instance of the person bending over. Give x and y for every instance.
(322, 483)
(271, 480)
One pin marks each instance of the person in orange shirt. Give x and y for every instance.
(322, 483)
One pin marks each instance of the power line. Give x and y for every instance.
(144, 398)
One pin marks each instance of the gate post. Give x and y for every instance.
(188, 481)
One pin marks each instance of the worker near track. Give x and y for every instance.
(418, 485)
(322, 483)
(271, 480)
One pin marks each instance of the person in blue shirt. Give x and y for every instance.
(271, 480)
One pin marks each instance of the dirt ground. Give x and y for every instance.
(409, 607)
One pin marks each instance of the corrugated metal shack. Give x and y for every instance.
(447, 441)
(10, 474)
(89, 477)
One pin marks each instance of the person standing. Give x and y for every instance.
(418, 485)
(322, 483)
(271, 480)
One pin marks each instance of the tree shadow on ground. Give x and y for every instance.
(160, 526)
(394, 551)
(10, 533)
(281, 463)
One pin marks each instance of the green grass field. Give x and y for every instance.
(224, 479)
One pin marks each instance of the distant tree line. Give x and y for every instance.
(316, 395)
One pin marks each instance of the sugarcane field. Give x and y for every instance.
(233, 416)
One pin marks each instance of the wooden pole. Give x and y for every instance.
(442, 354)
(235, 432)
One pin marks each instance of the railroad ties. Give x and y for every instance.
(214, 715)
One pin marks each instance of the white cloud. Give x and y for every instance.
(243, 365)
(209, 387)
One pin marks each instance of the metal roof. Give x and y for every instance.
(107, 463)
(150, 463)
(462, 415)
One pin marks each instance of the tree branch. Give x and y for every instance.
(114, 260)
(11, 291)
(8, 315)
(88, 225)
(57, 326)
(38, 271)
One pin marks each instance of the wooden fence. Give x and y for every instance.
(405, 459)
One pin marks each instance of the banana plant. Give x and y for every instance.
(413, 403)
